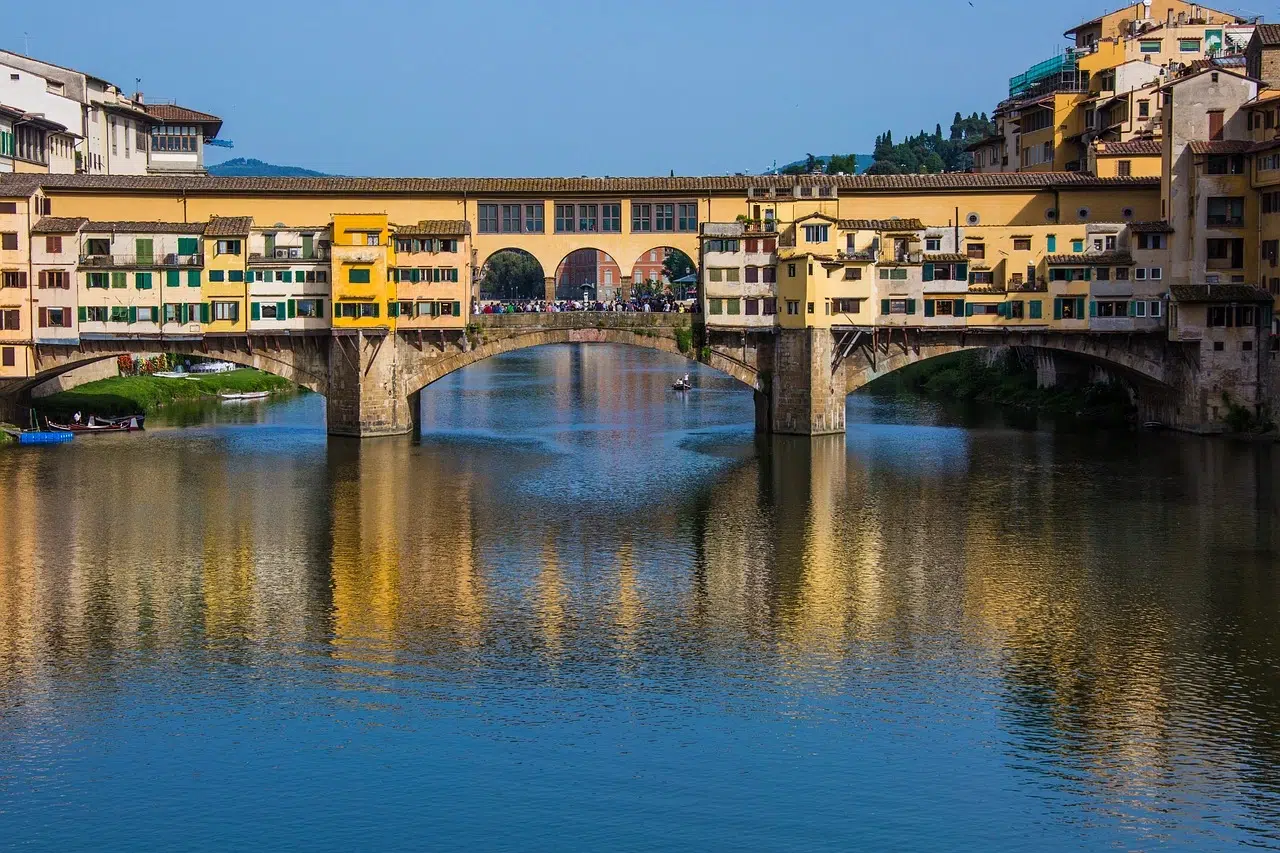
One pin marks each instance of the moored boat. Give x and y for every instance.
(129, 425)
(246, 395)
(99, 420)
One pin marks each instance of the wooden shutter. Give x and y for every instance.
(884, 306)
(911, 306)
(204, 312)
(928, 306)
(962, 272)
(193, 278)
(393, 309)
(1057, 309)
(22, 279)
(292, 309)
(457, 309)
(83, 313)
(958, 308)
(319, 307)
(42, 280)
(44, 318)
(1079, 305)
(133, 314)
(171, 278)
(927, 272)
(280, 310)
(1215, 124)
(255, 312)
(308, 245)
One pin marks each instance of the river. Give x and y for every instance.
(585, 612)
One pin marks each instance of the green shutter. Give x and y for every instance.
(171, 278)
(183, 312)
(962, 272)
(84, 314)
(235, 275)
(1057, 309)
(255, 313)
(270, 240)
(1088, 273)
(142, 280)
(1051, 243)
(968, 309)
(928, 308)
(1133, 308)
(119, 279)
(927, 273)
(911, 306)
(1002, 310)
(293, 309)
(884, 306)
(133, 314)
(266, 275)
(393, 309)
(958, 308)
(457, 309)
(145, 250)
(308, 246)
(1093, 308)
(287, 276)
(187, 246)
(204, 312)
(280, 311)
(319, 307)
(1035, 309)
(1079, 305)
(193, 278)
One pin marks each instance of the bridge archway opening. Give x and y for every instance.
(664, 271)
(512, 274)
(588, 274)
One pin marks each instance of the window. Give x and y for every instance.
(791, 270)
(511, 218)
(847, 306)
(1225, 253)
(1149, 46)
(1022, 244)
(1215, 124)
(734, 306)
(226, 311)
(13, 279)
(976, 250)
(768, 275)
(142, 280)
(688, 213)
(1225, 164)
(753, 275)
(1014, 309)
(1191, 46)
(810, 307)
(11, 319)
(611, 218)
(719, 246)
(1124, 168)
(488, 218)
(1151, 241)
(1102, 273)
(1155, 305)
(752, 308)
(145, 314)
(9, 241)
(227, 247)
(95, 314)
(770, 306)
(1144, 109)
(7, 356)
(941, 307)
(897, 306)
(853, 274)
(933, 244)
(982, 277)
(55, 279)
(1111, 308)
(715, 274)
(358, 275)
(310, 308)
(816, 233)
(664, 217)
(267, 311)
(1226, 210)
(793, 307)
(168, 138)
(641, 217)
(370, 239)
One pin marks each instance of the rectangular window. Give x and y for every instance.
(564, 218)
(1022, 244)
(227, 247)
(533, 214)
(9, 241)
(688, 212)
(226, 311)
(611, 218)
(511, 218)
(716, 306)
(753, 275)
(53, 244)
(816, 233)
(1215, 124)
(768, 275)
(1227, 211)
(664, 217)
(641, 217)
(96, 314)
(933, 244)
(793, 307)
(310, 309)
(487, 215)
(14, 279)
(853, 274)
(1124, 168)
(358, 275)
(588, 217)
(1188, 45)
(976, 250)
(1149, 46)
(752, 308)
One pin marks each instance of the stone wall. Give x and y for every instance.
(806, 396)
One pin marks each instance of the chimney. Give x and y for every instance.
(137, 98)
(1168, 21)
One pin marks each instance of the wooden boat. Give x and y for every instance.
(681, 385)
(99, 420)
(247, 395)
(130, 425)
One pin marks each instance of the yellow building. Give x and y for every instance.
(225, 297)
(430, 265)
(363, 293)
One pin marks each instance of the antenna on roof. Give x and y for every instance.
(26, 44)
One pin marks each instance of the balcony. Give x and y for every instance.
(141, 261)
(289, 253)
(1037, 286)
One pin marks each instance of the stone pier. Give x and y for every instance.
(805, 394)
(368, 393)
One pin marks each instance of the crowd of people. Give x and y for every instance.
(651, 304)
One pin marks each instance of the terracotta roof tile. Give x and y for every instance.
(229, 226)
(1150, 228)
(553, 186)
(59, 224)
(880, 224)
(435, 228)
(1095, 259)
(175, 113)
(141, 227)
(1132, 148)
(1218, 293)
(1267, 35)
(945, 258)
(1220, 146)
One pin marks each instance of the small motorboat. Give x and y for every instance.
(246, 395)
(682, 384)
(98, 420)
(131, 424)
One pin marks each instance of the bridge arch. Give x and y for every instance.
(588, 270)
(660, 339)
(662, 266)
(512, 273)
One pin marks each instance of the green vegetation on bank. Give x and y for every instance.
(1009, 381)
(125, 395)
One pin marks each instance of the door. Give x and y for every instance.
(145, 252)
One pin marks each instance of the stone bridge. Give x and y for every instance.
(800, 377)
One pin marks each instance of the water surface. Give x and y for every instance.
(584, 612)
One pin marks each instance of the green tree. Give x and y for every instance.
(512, 274)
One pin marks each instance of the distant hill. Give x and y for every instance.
(864, 160)
(243, 168)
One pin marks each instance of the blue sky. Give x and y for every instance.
(395, 87)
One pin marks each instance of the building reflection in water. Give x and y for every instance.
(1111, 597)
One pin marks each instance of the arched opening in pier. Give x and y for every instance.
(512, 274)
(588, 275)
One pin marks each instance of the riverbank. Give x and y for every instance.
(124, 395)
(1009, 382)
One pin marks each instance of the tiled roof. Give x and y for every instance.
(1218, 293)
(880, 224)
(816, 215)
(435, 228)
(1150, 228)
(173, 114)
(229, 226)
(59, 224)
(1220, 146)
(552, 186)
(1132, 148)
(14, 185)
(139, 227)
(1267, 35)
(10, 112)
(1094, 259)
(945, 258)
